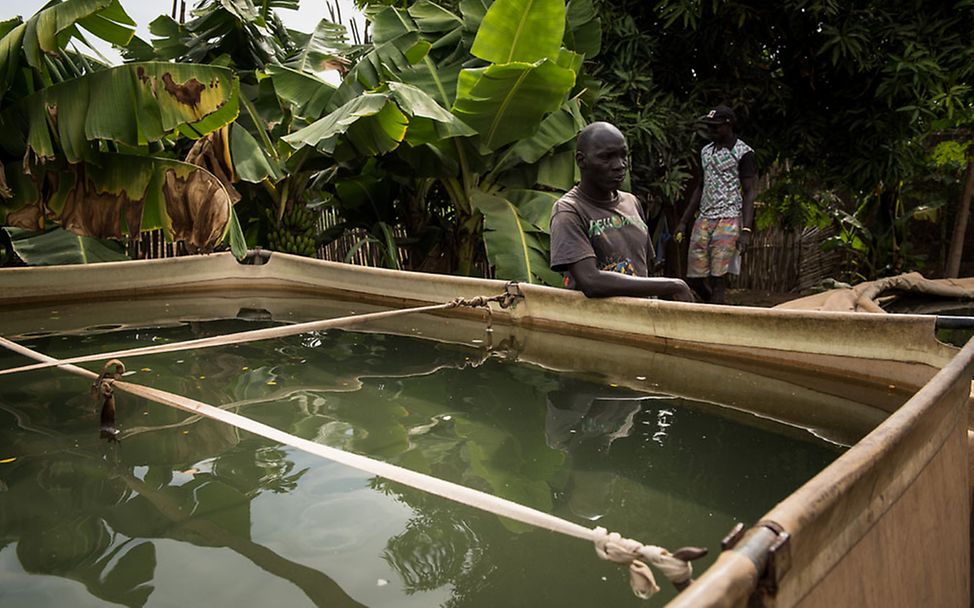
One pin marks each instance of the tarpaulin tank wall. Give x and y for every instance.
(887, 524)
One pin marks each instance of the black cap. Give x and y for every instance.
(720, 115)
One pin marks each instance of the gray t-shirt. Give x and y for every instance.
(615, 234)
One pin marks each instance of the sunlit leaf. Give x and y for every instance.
(505, 103)
(520, 31)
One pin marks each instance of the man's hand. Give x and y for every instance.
(744, 239)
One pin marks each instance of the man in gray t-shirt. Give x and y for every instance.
(599, 237)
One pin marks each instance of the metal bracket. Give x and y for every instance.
(513, 292)
(779, 558)
(732, 537)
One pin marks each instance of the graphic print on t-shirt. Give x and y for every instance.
(620, 265)
(598, 226)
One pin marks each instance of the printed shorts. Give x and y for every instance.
(713, 248)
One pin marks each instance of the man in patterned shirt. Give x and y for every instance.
(599, 237)
(725, 200)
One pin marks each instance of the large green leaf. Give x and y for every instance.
(439, 82)
(378, 122)
(583, 31)
(381, 127)
(10, 46)
(558, 170)
(473, 12)
(433, 18)
(516, 248)
(430, 121)
(250, 162)
(235, 237)
(520, 30)
(9, 25)
(556, 129)
(58, 246)
(112, 24)
(385, 60)
(534, 205)
(506, 103)
(321, 49)
(131, 104)
(307, 94)
(252, 38)
(51, 29)
(391, 23)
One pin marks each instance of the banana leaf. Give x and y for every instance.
(429, 121)
(381, 127)
(473, 12)
(250, 163)
(386, 59)
(10, 46)
(506, 102)
(556, 129)
(236, 29)
(533, 205)
(376, 123)
(125, 195)
(51, 29)
(583, 30)
(391, 23)
(433, 18)
(439, 82)
(131, 104)
(558, 170)
(516, 248)
(307, 94)
(57, 246)
(321, 50)
(523, 31)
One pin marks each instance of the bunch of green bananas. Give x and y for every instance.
(295, 234)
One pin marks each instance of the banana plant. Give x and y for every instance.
(479, 109)
(92, 146)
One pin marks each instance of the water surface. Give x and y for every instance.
(185, 511)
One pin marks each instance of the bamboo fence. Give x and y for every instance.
(779, 260)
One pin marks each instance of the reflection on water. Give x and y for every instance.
(187, 511)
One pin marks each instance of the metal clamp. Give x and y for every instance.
(513, 292)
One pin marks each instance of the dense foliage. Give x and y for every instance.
(450, 133)
(70, 158)
(844, 102)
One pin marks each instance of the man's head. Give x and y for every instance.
(603, 157)
(719, 123)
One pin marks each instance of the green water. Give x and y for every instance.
(186, 512)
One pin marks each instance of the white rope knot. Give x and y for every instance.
(614, 548)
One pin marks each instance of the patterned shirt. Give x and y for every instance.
(723, 169)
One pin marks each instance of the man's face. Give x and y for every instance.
(719, 132)
(605, 161)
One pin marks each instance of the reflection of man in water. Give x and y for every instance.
(589, 418)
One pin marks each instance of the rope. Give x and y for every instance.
(609, 546)
(505, 300)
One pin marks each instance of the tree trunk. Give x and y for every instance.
(961, 221)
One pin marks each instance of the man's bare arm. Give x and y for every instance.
(596, 283)
(749, 190)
